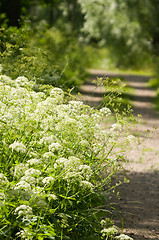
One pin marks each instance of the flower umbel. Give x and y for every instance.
(18, 147)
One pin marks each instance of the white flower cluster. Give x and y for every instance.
(58, 126)
(19, 170)
(48, 180)
(23, 82)
(105, 111)
(34, 161)
(23, 185)
(32, 172)
(131, 138)
(47, 140)
(18, 146)
(111, 231)
(116, 127)
(54, 147)
(86, 184)
(58, 145)
(123, 237)
(25, 234)
(23, 210)
(58, 94)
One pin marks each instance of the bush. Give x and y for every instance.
(56, 164)
(47, 55)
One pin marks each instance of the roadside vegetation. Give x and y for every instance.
(56, 160)
(57, 163)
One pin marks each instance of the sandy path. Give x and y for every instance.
(139, 202)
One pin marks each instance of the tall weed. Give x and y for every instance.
(56, 164)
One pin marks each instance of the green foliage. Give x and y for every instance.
(123, 27)
(116, 96)
(68, 52)
(56, 164)
(116, 24)
(47, 55)
(99, 57)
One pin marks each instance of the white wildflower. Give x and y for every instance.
(131, 138)
(111, 231)
(22, 185)
(76, 103)
(86, 184)
(116, 127)
(48, 180)
(29, 179)
(58, 94)
(5, 79)
(66, 122)
(62, 160)
(52, 197)
(49, 103)
(47, 140)
(48, 123)
(8, 118)
(103, 222)
(48, 155)
(40, 110)
(32, 172)
(75, 176)
(32, 154)
(86, 171)
(25, 234)
(62, 110)
(37, 96)
(2, 106)
(55, 165)
(70, 163)
(55, 146)
(20, 169)
(23, 81)
(105, 111)
(75, 106)
(74, 160)
(18, 146)
(34, 161)
(23, 210)
(38, 191)
(96, 117)
(123, 237)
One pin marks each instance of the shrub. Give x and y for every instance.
(42, 55)
(56, 164)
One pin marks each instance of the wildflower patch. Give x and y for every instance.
(55, 162)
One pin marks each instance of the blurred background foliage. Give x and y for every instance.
(55, 41)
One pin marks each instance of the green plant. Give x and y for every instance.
(47, 56)
(116, 96)
(111, 232)
(56, 163)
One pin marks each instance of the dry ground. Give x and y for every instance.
(139, 199)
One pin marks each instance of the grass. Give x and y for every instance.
(102, 61)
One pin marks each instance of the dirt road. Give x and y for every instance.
(139, 199)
